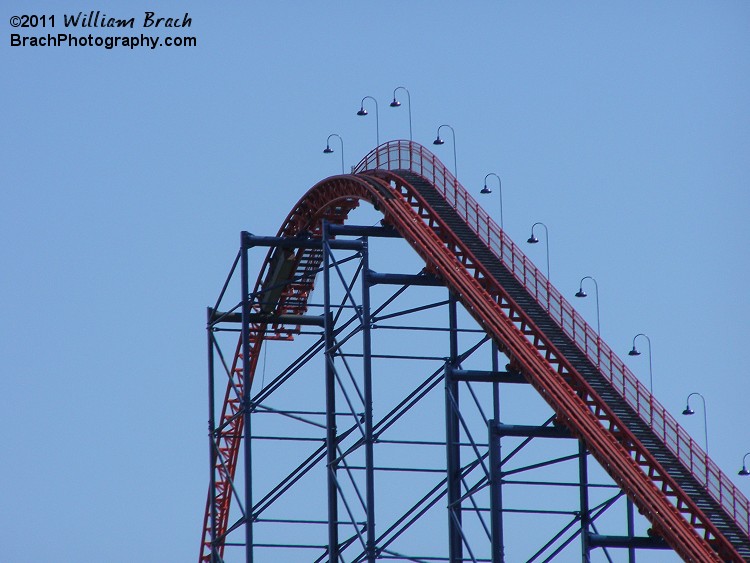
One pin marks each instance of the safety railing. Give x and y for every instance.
(407, 155)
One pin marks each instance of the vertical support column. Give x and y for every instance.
(496, 467)
(452, 441)
(495, 385)
(330, 382)
(583, 476)
(211, 433)
(631, 531)
(246, 406)
(367, 373)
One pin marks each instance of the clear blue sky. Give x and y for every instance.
(127, 176)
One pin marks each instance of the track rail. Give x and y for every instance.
(383, 179)
(404, 155)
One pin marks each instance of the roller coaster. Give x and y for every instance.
(385, 436)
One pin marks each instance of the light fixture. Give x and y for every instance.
(395, 103)
(688, 411)
(533, 240)
(744, 471)
(487, 190)
(582, 293)
(636, 352)
(439, 141)
(329, 150)
(363, 111)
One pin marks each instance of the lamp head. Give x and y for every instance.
(688, 411)
(485, 190)
(532, 239)
(744, 472)
(328, 149)
(362, 111)
(634, 352)
(395, 103)
(438, 141)
(581, 293)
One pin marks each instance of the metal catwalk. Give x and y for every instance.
(390, 429)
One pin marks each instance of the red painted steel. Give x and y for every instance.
(552, 385)
(576, 404)
(404, 155)
(655, 504)
(328, 200)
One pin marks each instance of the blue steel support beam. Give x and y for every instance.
(583, 477)
(211, 432)
(496, 494)
(330, 379)
(306, 320)
(488, 376)
(496, 469)
(367, 374)
(631, 531)
(249, 240)
(404, 279)
(452, 442)
(523, 431)
(362, 231)
(246, 403)
(597, 540)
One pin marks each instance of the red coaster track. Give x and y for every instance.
(689, 501)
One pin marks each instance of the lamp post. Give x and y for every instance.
(533, 240)
(395, 103)
(636, 352)
(581, 293)
(487, 190)
(744, 472)
(688, 411)
(439, 141)
(363, 111)
(329, 150)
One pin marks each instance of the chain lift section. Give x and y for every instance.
(688, 500)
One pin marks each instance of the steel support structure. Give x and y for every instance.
(247, 405)
(378, 424)
(330, 404)
(453, 440)
(475, 470)
(497, 543)
(371, 544)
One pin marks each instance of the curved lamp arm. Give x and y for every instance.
(395, 103)
(439, 141)
(363, 111)
(486, 190)
(533, 240)
(329, 150)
